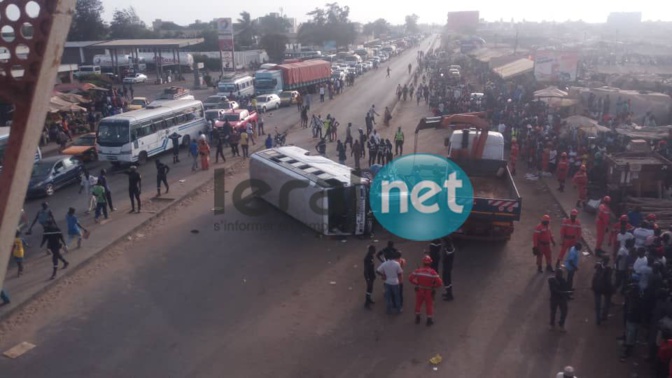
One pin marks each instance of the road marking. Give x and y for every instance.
(19, 350)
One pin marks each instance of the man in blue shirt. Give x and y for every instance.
(572, 264)
(74, 228)
(635, 217)
(193, 151)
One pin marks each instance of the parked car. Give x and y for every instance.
(238, 118)
(138, 103)
(135, 78)
(52, 173)
(288, 98)
(214, 115)
(265, 102)
(219, 102)
(84, 148)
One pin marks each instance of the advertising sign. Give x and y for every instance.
(224, 26)
(556, 66)
(225, 43)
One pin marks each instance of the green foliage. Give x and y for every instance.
(275, 45)
(377, 28)
(412, 24)
(329, 24)
(245, 31)
(211, 64)
(87, 21)
(126, 24)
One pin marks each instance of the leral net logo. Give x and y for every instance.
(421, 197)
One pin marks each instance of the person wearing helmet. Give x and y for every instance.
(542, 240)
(513, 156)
(426, 281)
(651, 218)
(602, 223)
(562, 170)
(580, 181)
(570, 234)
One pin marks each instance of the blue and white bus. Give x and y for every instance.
(4, 139)
(135, 136)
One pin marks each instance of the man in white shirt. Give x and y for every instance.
(391, 273)
(642, 233)
(623, 237)
(641, 260)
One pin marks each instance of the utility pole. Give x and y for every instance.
(30, 94)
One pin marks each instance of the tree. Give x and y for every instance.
(87, 21)
(275, 45)
(245, 31)
(377, 28)
(412, 24)
(126, 24)
(272, 24)
(329, 24)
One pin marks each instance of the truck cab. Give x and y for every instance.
(494, 145)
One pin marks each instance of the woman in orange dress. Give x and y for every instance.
(204, 152)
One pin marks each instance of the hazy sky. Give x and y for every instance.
(429, 11)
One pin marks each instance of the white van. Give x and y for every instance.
(239, 86)
(494, 145)
(88, 70)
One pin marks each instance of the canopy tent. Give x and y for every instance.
(646, 133)
(550, 92)
(75, 87)
(57, 104)
(587, 125)
(72, 97)
(515, 68)
(557, 102)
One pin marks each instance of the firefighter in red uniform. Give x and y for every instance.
(542, 240)
(513, 156)
(580, 180)
(563, 169)
(426, 281)
(570, 233)
(602, 223)
(651, 218)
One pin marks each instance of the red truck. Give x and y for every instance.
(304, 74)
(238, 119)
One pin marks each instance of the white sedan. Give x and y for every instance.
(137, 78)
(265, 102)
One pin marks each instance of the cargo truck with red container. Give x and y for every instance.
(298, 76)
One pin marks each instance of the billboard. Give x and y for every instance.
(225, 39)
(556, 66)
(463, 22)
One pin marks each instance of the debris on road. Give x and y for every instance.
(436, 359)
(18, 350)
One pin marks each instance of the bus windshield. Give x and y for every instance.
(264, 83)
(113, 133)
(227, 87)
(232, 117)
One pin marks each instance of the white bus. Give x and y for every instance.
(318, 192)
(239, 86)
(135, 136)
(4, 139)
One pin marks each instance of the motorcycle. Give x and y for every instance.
(280, 139)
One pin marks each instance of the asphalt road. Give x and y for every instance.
(199, 295)
(349, 107)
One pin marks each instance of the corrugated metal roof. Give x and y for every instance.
(515, 68)
(159, 43)
(81, 44)
(485, 54)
